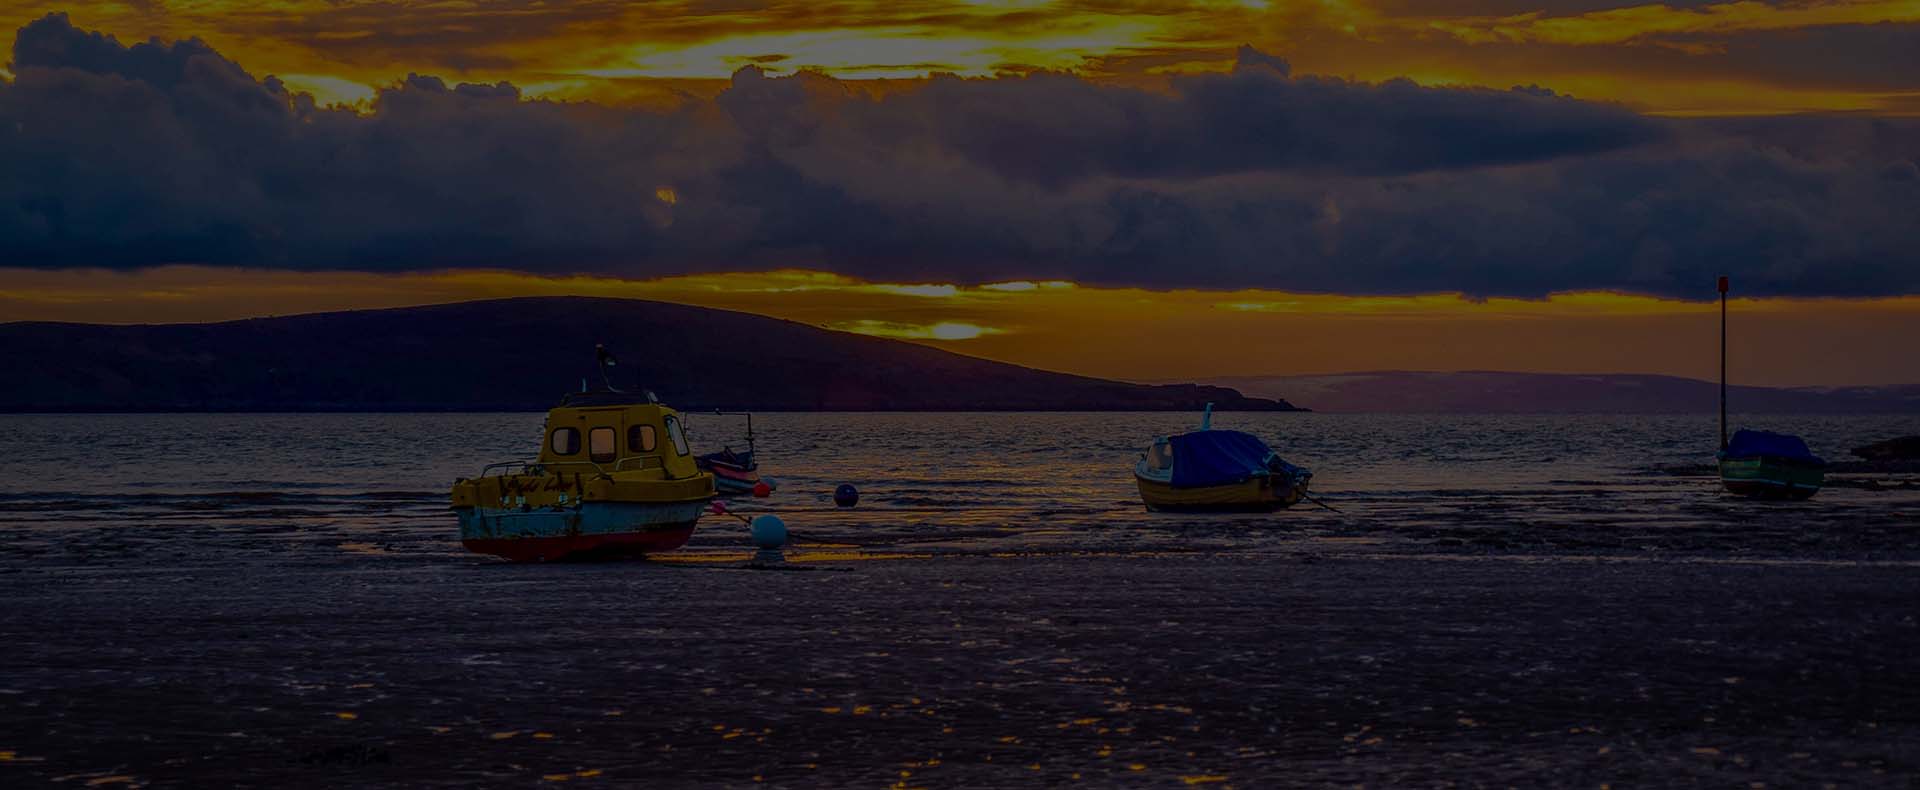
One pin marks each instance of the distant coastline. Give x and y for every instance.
(515, 355)
(1505, 392)
(678, 407)
(521, 355)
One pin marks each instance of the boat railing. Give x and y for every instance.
(506, 467)
(639, 462)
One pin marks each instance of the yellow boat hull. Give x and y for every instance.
(1255, 495)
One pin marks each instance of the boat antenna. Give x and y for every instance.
(605, 359)
(1723, 362)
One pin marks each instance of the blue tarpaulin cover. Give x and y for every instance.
(1767, 444)
(1213, 458)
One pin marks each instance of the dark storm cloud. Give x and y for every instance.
(1248, 57)
(1057, 130)
(168, 153)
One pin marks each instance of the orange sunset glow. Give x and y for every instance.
(1673, 58)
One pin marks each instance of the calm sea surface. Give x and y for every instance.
(956, 482)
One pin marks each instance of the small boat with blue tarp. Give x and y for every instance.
(1762, 464)
(1767, 465)
(614, 477)
(1213, 470)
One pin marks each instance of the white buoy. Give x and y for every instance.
(768, 534)
(768, 531)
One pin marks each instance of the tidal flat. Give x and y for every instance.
(1316, 667)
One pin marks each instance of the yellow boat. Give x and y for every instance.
(1209, 470)
(614, 477)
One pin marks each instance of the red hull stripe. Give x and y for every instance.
(622, 544)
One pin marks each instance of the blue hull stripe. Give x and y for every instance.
(591, 518)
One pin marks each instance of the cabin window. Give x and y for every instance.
(600, 444)
(566, 441)
(641, 439)
(679, 439)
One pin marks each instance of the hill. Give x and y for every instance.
(522, 354)
(1487, 392)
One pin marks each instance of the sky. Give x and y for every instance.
(1141, 190)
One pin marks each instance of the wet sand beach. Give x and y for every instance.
(1630, 629)
(1314, 667)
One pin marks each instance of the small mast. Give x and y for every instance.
(604, 359)
(1723, 362)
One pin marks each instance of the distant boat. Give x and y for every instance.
(736, 472)
(1763, 464)
(1767, 465)
(1221, 471)
(614, 477)
(733, 472)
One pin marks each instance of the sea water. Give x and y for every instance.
(929, 482)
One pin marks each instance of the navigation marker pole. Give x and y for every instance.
(1723, 362)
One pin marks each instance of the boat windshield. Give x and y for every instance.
(1160, 456)
(679, 438)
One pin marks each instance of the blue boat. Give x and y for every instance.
(1217, 471)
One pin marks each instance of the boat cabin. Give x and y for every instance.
(614, 432)
(1157, 462)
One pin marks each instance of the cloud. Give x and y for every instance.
(165, 153)
(1882, 56)
(944, 330)
(1618, 24)
(599, 48)
(1246, 57)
